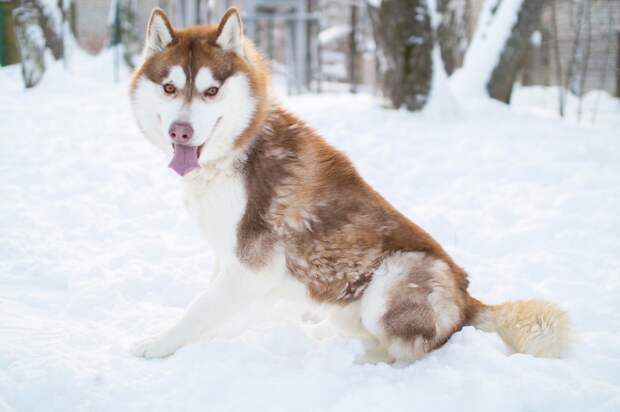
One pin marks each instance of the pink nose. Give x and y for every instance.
(181, 132)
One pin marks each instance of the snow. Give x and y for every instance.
(441, 102)
(598, 107)
(98, 252)
(52, 11)
(334, 33)
(536, 39)
(493, 28)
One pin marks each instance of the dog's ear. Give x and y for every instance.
(230, 32)
(159, 32)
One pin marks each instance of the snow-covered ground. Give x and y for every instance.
(97, 252)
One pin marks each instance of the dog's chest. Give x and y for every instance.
(218, 204)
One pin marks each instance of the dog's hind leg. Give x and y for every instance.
(412, 305)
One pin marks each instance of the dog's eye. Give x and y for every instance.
(211, 91)
(169, 88)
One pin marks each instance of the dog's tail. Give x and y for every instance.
(534, 327)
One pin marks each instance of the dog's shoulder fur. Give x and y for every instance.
(334, 227)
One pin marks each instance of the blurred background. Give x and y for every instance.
(384, 47)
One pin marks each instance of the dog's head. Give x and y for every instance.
(200, 91)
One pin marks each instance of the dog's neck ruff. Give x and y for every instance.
(225, 166)
(230, 163)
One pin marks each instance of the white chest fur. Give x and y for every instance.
(217, 201)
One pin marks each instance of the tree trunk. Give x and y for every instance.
(50, 20)
(130, 31)
(404, 38)
(353, 50)
(452, 32)
(618, 66)
(513, 54)
(559, 73)
(30, 41)
(38, 26)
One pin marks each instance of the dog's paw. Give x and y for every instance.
(153, 347)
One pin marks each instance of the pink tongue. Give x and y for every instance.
(185, 159)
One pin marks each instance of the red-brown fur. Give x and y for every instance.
(305, 198)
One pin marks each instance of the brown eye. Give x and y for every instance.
(169, 88)
(211, 91)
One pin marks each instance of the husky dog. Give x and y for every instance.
(288, 216)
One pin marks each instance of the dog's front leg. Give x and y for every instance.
(204, 311)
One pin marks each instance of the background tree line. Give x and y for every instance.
(483, 46)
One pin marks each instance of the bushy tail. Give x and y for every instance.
(534, 327)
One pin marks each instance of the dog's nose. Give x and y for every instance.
(181, 132)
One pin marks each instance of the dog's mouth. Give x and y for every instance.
(185, 158)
